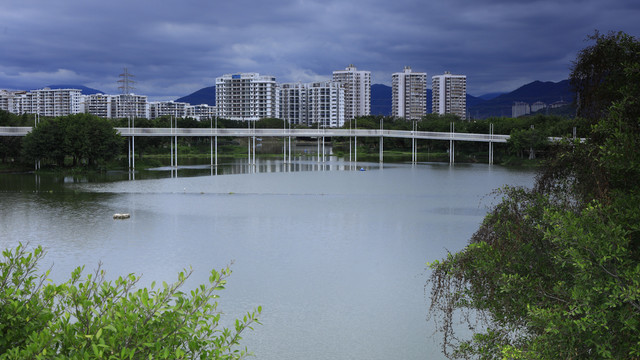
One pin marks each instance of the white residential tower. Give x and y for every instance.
(247, 97)
(357, 91)
(313, 104)
(449, 94)
(409, 92)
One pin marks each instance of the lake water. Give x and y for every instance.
(335, 257)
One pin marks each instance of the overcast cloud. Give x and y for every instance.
(177, 47)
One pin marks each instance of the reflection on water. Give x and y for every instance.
(261, 165)
(335, 257)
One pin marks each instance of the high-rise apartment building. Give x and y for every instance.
(449, 94)
(319, 103)
(61, 102)
(247, 96)
(168, 108)
(537, 106)
(11, 101)
(129, 106)
(116, 106)
(409, 93)
(325, 104)
(52, 102)
(201, 112)
(293, 103)
(520, 108)
(98, 105)
(357, 91)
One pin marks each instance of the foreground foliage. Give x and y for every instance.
(554, 271)
(89, 317)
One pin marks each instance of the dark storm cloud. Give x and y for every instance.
(175, 48)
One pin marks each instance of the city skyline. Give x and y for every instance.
(178, 48)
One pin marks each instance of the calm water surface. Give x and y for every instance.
(336, 258)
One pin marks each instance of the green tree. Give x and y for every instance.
(90, 138)
(529, 140)
(554, 271)
(9, 119)
(89, 317)
(599, 71)
(44, 143)
(87, 139)
(10, 148)
(269, 123)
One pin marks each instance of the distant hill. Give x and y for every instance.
(85, 90)
(490, 96)
(203, 96)
(473, 100)
(381, 99)
(547, 92)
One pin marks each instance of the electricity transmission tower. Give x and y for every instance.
(126, 87)
(126, 82)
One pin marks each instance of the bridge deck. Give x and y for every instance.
(204, 132)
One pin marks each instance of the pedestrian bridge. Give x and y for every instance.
(234, 132)
(287, 133)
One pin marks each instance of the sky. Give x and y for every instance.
(174, 48)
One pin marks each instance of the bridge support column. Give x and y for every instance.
(248, 146)
(452, 149)
(452, 152)
(289, 149)
(355, 151)
(349, 148)
(176, 154)
(414, 156)
(490, 144)
(323, 153)
(284, 148)
(490, 153)
(413, 150)
(381, 149)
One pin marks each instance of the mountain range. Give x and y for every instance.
(85, 90)
(547, 92)
(488, 105)
(203, 96)
(480, 107)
